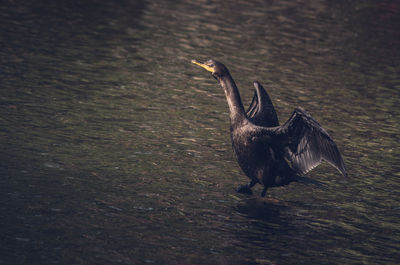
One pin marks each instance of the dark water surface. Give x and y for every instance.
(116, 150)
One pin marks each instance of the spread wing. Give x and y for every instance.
(261, 110)
(307, 144)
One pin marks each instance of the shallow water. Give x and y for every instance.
(116, 150)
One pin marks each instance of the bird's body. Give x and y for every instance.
(270, 154)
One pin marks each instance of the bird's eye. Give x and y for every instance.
(212, 65)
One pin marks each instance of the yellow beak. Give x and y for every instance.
(208, 68)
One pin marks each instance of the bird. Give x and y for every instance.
(268, 153)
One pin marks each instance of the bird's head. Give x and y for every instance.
(217, 69)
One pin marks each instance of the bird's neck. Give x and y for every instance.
(237, 113)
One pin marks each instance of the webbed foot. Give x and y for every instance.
(264, 192)
(244, 189)
(247, 188)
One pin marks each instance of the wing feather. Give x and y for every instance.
(253, 108)
(261, 110)
(308, 144)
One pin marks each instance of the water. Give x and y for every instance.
(116, 150)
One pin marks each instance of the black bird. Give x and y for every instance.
(270, 154)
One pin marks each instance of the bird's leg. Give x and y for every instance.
(263, 192)
(247, 187)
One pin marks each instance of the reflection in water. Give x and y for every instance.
(112, 154)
